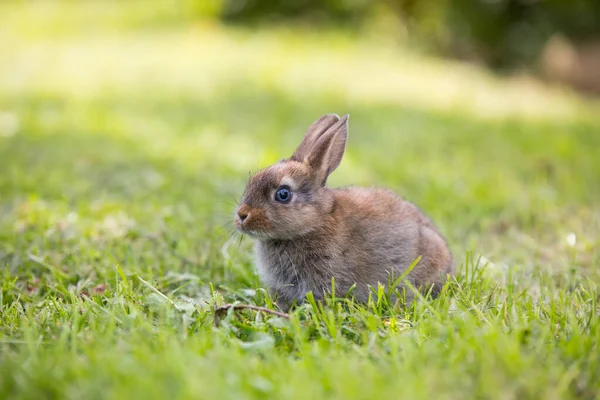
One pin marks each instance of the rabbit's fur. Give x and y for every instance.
(358, 236)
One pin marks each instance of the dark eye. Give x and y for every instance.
(283, 194)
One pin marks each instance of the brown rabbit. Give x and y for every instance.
(306, 233)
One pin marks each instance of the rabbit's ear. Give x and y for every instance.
(326, 155)
(314, 132)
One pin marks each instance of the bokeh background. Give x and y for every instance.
(128, 130)
(136, 120)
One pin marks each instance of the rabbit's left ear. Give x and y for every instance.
(326, 155)
(314, 132)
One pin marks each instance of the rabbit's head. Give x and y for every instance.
(290, 198)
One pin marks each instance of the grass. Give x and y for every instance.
(123, 152)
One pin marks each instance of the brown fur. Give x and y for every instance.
(359, 236)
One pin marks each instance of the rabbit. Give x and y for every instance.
(306, 233)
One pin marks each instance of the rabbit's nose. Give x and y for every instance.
(243, 215)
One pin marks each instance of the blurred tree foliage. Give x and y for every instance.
(320, 11)
(499, 33)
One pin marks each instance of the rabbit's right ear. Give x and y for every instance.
(326, 155)
(314, 132)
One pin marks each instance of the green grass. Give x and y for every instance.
(122, 153)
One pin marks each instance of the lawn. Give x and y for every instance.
(125, 143)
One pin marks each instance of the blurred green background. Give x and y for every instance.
(128, 130)
(499, 33)
(171, 104)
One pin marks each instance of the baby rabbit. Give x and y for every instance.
(306, 233)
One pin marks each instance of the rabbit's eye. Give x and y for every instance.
(283, 194)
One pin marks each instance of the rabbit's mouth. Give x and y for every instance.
(255, 234)
(249, 231)
(252, 222)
